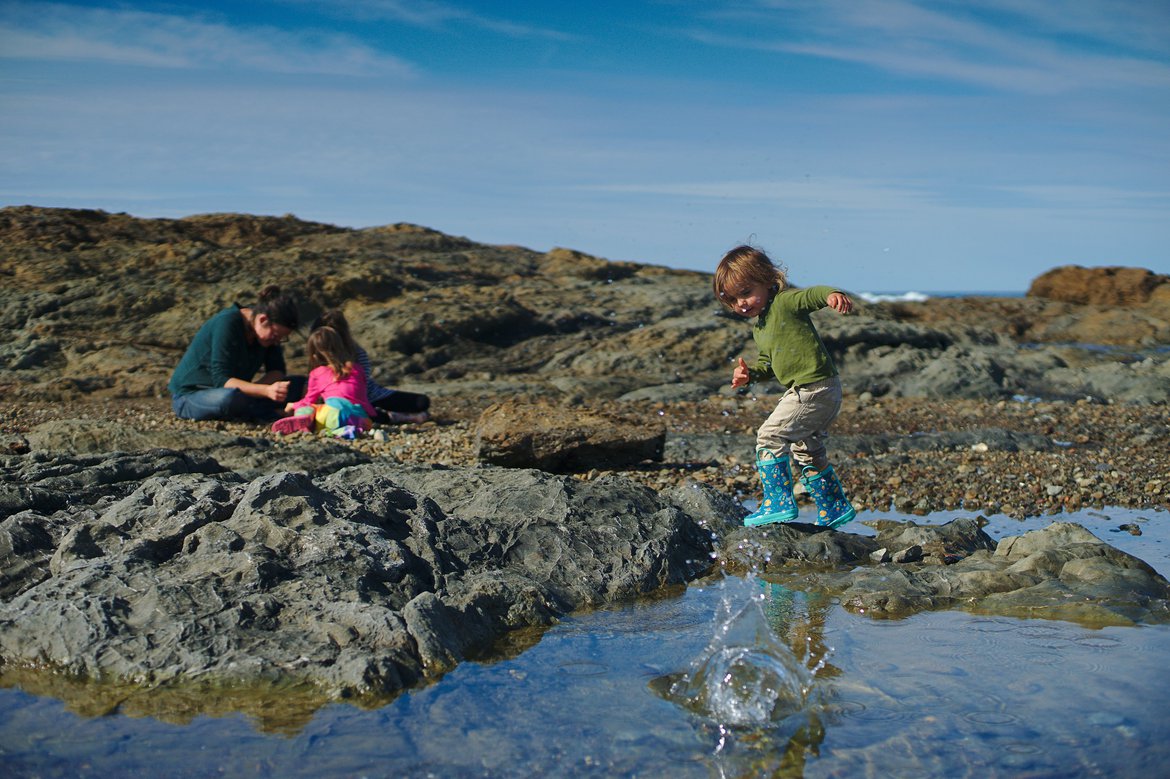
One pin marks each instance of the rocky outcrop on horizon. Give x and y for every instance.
(104, 305)
(1111, 286)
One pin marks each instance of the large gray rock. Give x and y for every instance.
(365, 581)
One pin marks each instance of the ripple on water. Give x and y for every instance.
(993, 625)
(583, 668)
(995, 717)
(1042, 635)
(1102, 643)
(872, 713)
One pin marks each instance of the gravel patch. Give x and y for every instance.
(909, 455)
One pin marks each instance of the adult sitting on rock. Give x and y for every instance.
(214, 379)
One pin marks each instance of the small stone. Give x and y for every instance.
(912, 554)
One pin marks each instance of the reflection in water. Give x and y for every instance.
(274, 708)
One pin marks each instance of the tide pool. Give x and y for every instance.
(938, 694)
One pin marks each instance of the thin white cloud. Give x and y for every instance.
(867, 195)
(430, 15)
(805, 192)
(1134, 25)
(1026, 49)
(50, 31)
(1091, 196)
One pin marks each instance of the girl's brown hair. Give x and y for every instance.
(746, 266)
(334, 318)
(326, 347)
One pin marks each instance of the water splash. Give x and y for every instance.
(747, 677)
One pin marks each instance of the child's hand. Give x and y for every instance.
(289, 408)
(839, 302)
(740, 377)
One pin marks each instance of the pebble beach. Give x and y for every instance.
(929, 456)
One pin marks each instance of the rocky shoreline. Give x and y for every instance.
(142, 550)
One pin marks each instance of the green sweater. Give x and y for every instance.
(790, 348)
(220, 351)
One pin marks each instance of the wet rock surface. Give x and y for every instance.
(1059, 572)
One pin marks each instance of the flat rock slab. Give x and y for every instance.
(564, 439)
(249, 456)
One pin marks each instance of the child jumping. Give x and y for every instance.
(390, 406)
(336, 402)
(748, 283)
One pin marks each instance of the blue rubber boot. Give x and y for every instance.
(833, 508)
(777, 505)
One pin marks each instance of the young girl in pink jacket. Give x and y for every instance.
(335, 402)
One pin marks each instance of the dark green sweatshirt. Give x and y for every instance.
(790, 348)
(220, 351)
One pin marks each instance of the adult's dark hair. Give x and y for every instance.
(279, 307)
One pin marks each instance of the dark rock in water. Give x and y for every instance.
(1060, 572)
(783, 547)
(939, 543)
(365, 581)
(716, 512)
(562, 439)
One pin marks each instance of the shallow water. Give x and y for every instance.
(940, 694)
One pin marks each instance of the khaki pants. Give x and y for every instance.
(800, 423)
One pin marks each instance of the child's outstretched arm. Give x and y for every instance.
(839, 302)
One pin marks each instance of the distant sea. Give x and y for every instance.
(913, 296)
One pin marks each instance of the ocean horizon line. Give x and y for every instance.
(914, 296)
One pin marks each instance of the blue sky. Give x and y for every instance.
(869, 144)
